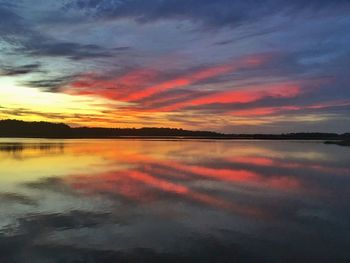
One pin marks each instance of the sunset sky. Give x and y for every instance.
(224, 65)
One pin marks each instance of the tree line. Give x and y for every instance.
(16, 128)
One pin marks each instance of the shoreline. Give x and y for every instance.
(326, 140)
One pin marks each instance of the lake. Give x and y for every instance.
(173, 201)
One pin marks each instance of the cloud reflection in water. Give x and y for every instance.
(173, 201)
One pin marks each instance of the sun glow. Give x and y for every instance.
(41, 105)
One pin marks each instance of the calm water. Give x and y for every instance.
(173, 201)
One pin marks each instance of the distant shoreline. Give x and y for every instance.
(325, 140)
(340, 143)
(47, 130)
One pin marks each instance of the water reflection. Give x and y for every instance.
(173, 201)
(19, 147)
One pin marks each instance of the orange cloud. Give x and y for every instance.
(263, 111)
(195, 77)
(113, 88)
(249, 94)
(139, 84)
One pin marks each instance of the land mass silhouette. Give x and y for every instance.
(22, 129)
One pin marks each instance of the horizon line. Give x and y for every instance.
(178, 129)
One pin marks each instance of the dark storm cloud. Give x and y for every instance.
(211, 13)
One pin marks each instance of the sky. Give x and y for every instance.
(235, 66)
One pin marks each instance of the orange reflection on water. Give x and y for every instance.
(142, 187)
(240, 176)
(214, 174)
(158, 162)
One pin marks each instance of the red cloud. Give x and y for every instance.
(247, 62)
(112, 88)
(249, 94)
(263, 111)
(139, 84)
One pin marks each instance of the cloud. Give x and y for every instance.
(8, 18)
(22, 34)
(8, 71)
(333, 106)
(51, 84)
(141, 84)
(171, 57)
(206, 12)
(52, 48)
(23, 112)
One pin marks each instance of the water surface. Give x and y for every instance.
(173, 201)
